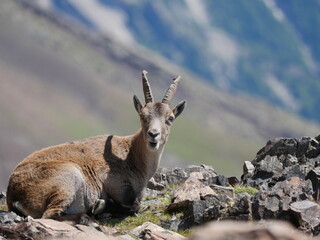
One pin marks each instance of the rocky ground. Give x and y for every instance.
(281, 183)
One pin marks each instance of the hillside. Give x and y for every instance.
(266, 48)
(60, 82)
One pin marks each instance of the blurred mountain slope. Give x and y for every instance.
(60, 82)
(265, 48)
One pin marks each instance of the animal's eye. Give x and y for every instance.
(170, 120)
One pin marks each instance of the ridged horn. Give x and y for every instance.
(146, 87)
(171, 91)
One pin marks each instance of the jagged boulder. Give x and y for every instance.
(176, 176)
(281, 159)
(191, 190)
(287, 173)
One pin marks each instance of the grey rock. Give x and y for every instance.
(9, 217)
(196, 211)
(192, 190)
(248, 168)
(152, 184)
(293, 171)
(149, 231)
(241, 208)
(217, 180)
(211, 207)
(228, 191)
(270, 165)
(309, 212)
(176, 176)
(168, 176)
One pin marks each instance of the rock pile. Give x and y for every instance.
(287, 173)
(201, 201)
(283, 158)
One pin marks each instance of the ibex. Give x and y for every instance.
(71, 178)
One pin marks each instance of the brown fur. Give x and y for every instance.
(68, 179)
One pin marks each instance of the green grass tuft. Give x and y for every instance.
(156, 213)
(242, 189)
(3, 207)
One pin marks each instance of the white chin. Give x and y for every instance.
(153, 146)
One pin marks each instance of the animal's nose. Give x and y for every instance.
(153, 133)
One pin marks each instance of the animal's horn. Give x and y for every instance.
(146, 87)
(171, 91)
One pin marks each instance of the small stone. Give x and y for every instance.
(309, 212)
(241, 206)
(28, 219)
(191, 190)
(273, 203)
(152, 184)
(248, 168)
(148, 231)
(217, 180)
(223, 190)
(9, 217)
(271, 165)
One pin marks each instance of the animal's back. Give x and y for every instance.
(69, 172)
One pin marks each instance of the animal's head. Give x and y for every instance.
(157, 117)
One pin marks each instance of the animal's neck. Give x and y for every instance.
(142, 156)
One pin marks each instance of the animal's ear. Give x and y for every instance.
(179, 108)
(137, 104)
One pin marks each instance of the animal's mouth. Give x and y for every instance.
(153, 144)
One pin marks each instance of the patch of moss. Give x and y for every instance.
(3, 207)
(242, 189)
(156, 213)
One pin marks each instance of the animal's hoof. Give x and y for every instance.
(99, 207)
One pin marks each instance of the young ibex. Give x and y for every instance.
(69, 179)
